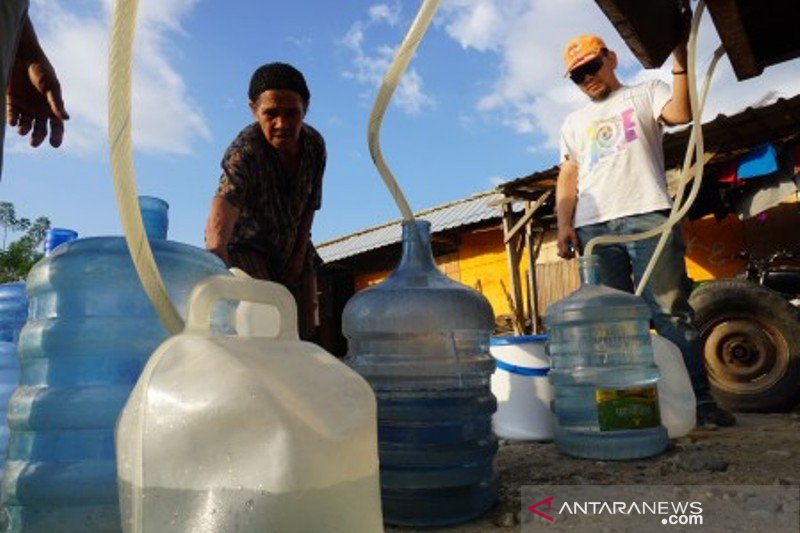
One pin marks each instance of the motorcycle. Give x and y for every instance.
(750, 327)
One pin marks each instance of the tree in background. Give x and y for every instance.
(18, 258)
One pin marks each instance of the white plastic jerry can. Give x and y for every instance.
(247, 433)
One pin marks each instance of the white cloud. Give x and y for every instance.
(76, 39)
(369, 69)
(299, 42)
(529, 91)
(385, 12)
(477, 24)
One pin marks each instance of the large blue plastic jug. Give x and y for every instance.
(90, 331)
(13, 313)
(603, 374)
(421, 340)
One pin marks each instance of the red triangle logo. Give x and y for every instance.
(548, 502)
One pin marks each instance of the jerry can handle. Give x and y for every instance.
(242, 289)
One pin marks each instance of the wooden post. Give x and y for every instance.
(513, 256)
(533, 254)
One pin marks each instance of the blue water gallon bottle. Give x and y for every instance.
(90, 330)
(421, 340)
(13, 313)
(603, 374)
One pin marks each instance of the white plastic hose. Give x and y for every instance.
(679, 209)
(388, 86)
(120, 139)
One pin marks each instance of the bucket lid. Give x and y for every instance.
(521, 354)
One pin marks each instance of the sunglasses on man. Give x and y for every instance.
(578, 75)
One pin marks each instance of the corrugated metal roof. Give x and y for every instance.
(463, 212)
(766, 121)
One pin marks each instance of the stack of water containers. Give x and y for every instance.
(603, 374)
(90, 330)
(13, 312)
(422, 342)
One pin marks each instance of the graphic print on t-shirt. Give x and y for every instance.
(609, 136)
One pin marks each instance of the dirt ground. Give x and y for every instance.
(762, 449)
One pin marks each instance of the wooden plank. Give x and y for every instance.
(533, 289)
(650, 28)
(529, 212)
(730, 27)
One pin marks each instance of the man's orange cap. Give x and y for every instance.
(581, 50)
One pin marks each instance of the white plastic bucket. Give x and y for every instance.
(521, 387)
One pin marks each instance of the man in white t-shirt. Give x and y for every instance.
(612, 182)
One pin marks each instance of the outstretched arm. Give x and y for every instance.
(33, 95)
(678, 110)
(297, 260)
(219, 227)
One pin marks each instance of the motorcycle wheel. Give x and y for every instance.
(751, 336)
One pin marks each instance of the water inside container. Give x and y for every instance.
(238, 509)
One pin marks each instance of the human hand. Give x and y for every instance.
(568, 242)
(34, 103)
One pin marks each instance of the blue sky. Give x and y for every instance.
(481, 102)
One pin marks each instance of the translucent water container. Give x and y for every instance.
(90, 331)
(422, 342)
(257, 432)
(603, 374)
(13, 313)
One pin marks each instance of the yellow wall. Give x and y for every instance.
(483, 263)
(711, 247)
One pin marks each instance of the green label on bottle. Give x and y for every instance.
(627, 409)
